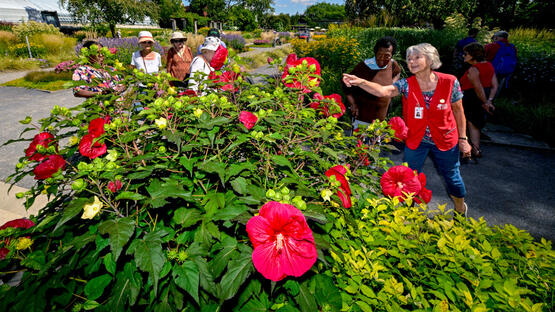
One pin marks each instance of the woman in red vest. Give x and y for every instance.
(433, 112)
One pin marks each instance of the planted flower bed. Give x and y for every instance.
(248, 198)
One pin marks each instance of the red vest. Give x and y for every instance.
(439, 117)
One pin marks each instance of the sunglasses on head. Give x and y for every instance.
(178, 40)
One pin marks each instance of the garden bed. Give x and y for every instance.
(44, 80)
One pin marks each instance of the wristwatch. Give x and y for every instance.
(463, 138)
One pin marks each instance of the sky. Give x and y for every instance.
(293, 6)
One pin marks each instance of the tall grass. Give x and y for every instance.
(7, 38)
(194, 41)
(267, 35)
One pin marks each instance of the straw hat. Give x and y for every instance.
(145, 36)
(177, 35)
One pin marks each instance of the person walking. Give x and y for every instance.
(381, 69)
(503, 56)
(179, 59)
(433, 112)
(458, 60)
(479, 85)
(146, 59)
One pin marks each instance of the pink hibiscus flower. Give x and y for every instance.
(248, 119)
(220, 58)
(398, 181)
(344, 191)
(283, 243)
(322, 106)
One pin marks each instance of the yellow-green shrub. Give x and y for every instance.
(7, 38)
(54, 43)
(203, 31)
(267, 35)
(319, 37)
(8, 63)
(32, 28)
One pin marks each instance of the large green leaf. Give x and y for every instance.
(235, 169)
(72, 210)
(126, 289)
(214, 167)
(187, 277)
(129, 195)
(160, 191)
(211, 123)
(239, 185)
(120, 230)
(327, 293)
(237, 272)
(229, 248)
(306, 300)
(96, 286)
(149, 255)
(186, 217)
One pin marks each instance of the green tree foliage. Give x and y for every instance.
(111, 12)
(321, 14)
(215, 9)
(169, 9)
(243, 18)
(281, 22)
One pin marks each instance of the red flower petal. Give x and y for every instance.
(87, 149)
(43, 139)
(220, 57)
(18, 223)
(398, 180)
(344, 191)
(283, 242)
(47, 168)
(114, 187)
(248, 119)
(425, 194)
(3, 253)
(400, 128)
(96, 127)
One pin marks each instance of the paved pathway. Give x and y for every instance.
(255, 51)
(512, 184)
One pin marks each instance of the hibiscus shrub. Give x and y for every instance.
(246, 198)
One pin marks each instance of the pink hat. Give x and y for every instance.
(145, 36)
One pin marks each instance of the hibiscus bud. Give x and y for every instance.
(23, 243)
(20, 165)
(291, 70)
(269, 60)
(161, 123)
(171, 90)
(197, 112)
(172, 254)
(78, 185)
(270, 194)
(284, 190)
(19, 195)
(305, 63)
(162, 149)
(236, 69)
(285, 198)
(312, 68)
(182, 256)
(51, 149)
(41, 149)
(25, 121)
(313, 82)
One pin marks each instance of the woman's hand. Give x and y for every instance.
(488, 107)
(352, 80)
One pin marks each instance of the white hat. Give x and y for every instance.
(210, 43)
(177, 35)
(145, 36)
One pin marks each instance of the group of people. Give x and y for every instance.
(180, 63)
(437, 117)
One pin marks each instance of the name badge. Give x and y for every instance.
(418, 112)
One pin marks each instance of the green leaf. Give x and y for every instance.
(212, 202)
(139, 175)
(186, 217)
(149, 255)
(96, 286)
(282, 161)
(237, 272)
(188, 163)
(220, 261)
(130, 195)
(364, 306)
(214, 167)
(109, 264)
(160, 191)
(235, 169)
(327, 293)
(72, 210)
(218, 121)
(306, 300)
(119, 230)
(90, 305)
(186, 276)
(239, 185)
(230, 212)
(292, 286)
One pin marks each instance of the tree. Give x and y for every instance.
(281, 22)
(259, 8)
(111, 12)
(242, 18)
(321, 14)
(169, 9)
(214, 9)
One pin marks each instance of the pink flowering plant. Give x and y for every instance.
(232, 200)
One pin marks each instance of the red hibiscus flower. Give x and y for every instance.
(283, 242)
(323, 107)
(88, 149)
(18, 223)
(310, 75)
(398, 181)
(248, 119)
(425, 195)
(114, 187)
(3, 253)
(220, 58)
(96, 127)
(400, 128)
(226, 80)
(344, 191)
(47, 168)
(187, 92)
(43, 139)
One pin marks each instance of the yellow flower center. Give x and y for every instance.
(279, 241)
(400, 185)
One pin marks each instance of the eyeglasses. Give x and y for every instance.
(178, 40)
(147, 42)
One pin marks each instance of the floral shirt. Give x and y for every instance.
(89, 74)
(403, 87)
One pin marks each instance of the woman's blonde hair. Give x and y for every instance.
(429, 51)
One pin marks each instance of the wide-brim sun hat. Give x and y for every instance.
(210, 43)
(177, 35)
(145, 36)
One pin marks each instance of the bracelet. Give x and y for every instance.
(463, 138)
(490, 99)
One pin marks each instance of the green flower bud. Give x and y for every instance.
(78, 185)
(20, 165)
(182, 256)
(270, 194)
(172, 254)
(19, 195)
(41, 149)
(284, 190)
(286, 198)
(312, 68)
(162, 149)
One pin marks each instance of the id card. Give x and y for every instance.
(418, 112)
